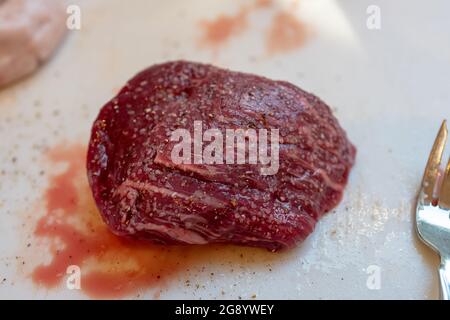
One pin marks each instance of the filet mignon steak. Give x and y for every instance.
(142, 194)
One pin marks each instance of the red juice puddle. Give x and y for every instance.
(263, 3)
(220, 30)
(286, 33)
(111, 267)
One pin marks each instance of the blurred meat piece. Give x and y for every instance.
(30, 30)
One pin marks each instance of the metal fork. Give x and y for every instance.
(433, 209)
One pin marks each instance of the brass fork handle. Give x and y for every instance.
(444, 277)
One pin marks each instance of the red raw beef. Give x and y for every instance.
(142, 194)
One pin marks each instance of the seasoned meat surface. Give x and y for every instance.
(143, 193)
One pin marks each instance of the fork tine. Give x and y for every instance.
(432, 170)
(444, 194)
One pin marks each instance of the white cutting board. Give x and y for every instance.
(390, 89)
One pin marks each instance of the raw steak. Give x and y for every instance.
(30, 31)
(141, 193)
